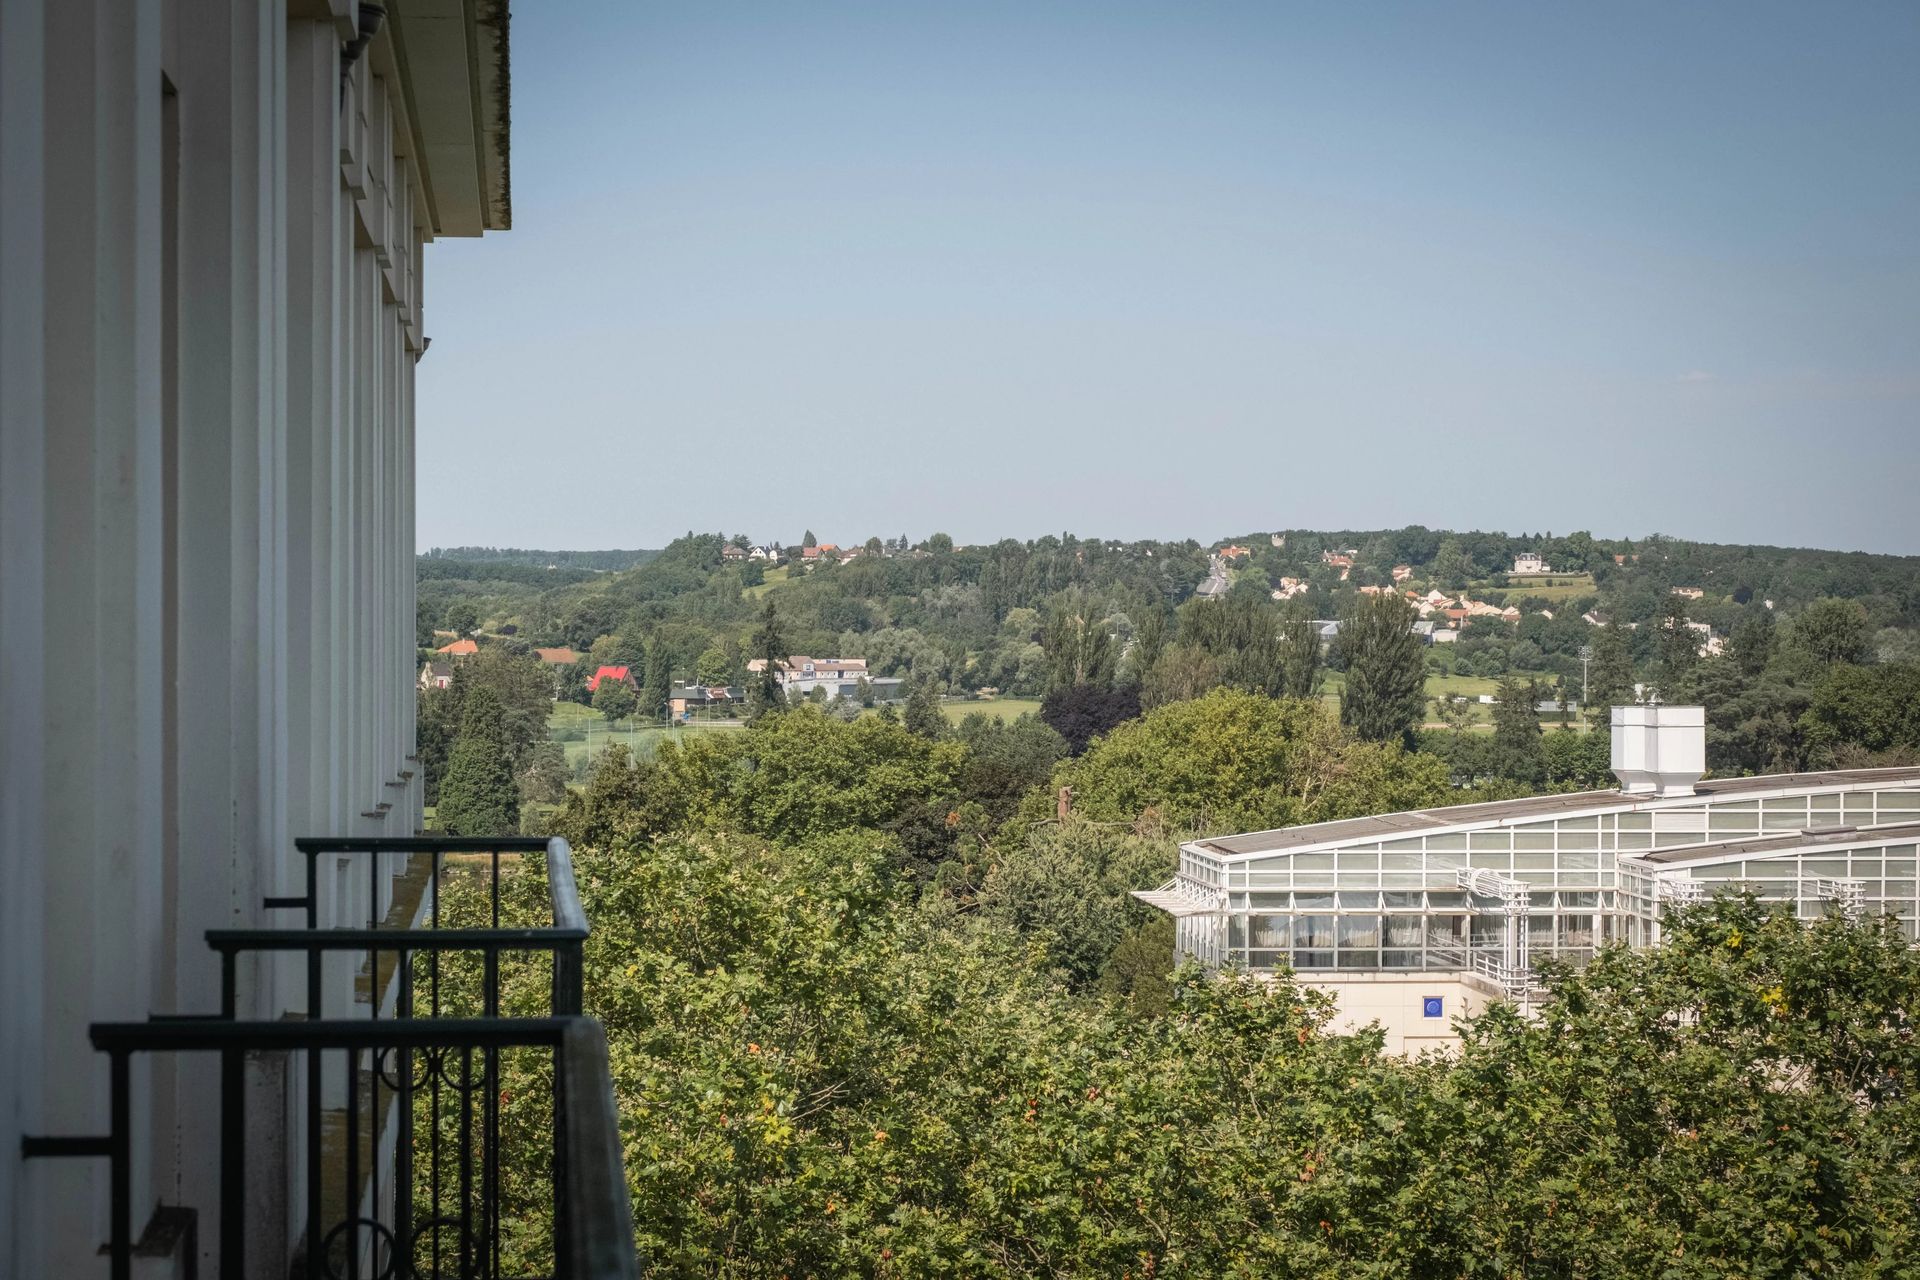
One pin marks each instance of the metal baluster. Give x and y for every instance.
(403, 1142)
(351, 1197)
(313, 1118)
(121, 1143)
(490, 1136)
(466, 1162)
(434, 1072)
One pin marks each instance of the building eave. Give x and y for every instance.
(449, 59)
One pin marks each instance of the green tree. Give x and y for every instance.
(1299, 653)
(478, 796)
(1070, 885)
(809, 540)
(543, 779)
(461, 618)
(1679, 651)
(1829, 631)
(923, 715)
(1079, 643)
(1386, 673)
(1234, 761)
(659, 683)
(615, 699)
(1868, 709)
(1519, 753)
(1610, 677)
(765, 693)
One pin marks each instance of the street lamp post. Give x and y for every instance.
(1586, 656)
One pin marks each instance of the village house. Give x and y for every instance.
(689, 698)
(460, 649)
(436, 674)
(622, 674)
(1233, 551)
(1690, 593)
(1289, 588)
(1401, 572)
(1528, 562)
(839, 677)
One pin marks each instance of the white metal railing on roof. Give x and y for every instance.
(1178, 899)
(1680, 888)
(1516, 895)
(1849, 895)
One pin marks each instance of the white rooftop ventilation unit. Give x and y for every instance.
(1659, 751)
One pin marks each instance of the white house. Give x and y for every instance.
(1528, 562)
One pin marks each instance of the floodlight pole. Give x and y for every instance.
(1586, 656)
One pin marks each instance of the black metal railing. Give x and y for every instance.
(417, 1074)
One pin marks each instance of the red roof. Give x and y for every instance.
(460, 648)
(619, 674)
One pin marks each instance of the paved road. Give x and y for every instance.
(1217, 582)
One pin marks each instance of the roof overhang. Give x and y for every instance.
(449, 60)
(1490, 815)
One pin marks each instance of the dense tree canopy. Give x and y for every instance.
(819, 1076)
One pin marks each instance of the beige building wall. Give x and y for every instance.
(1398, 1002)
(208, 329)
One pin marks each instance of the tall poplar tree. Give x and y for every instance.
(1385, 692)
(478, 796)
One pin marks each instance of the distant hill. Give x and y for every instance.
(598, 561)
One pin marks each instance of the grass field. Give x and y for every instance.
(774, 578)
(580, 730)
(1552, 586)
(996, 708)
(1470, 687)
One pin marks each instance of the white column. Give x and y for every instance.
(24, 1200)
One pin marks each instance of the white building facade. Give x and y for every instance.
(212, 230)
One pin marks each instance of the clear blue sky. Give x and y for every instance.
(1186, 270)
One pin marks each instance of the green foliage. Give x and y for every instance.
(764, 692)
(1518, 751)
(1234, 761)
(478, 796)
(1872, 709)
(615, 699)
(1079, 644)
(461, 618)
(787, 777)
(659, 683)
(1067, 886)
(714, 667)
(818, 1076)
(923, 714)
(1385, 689)
(1830, 631)
(1610, 679)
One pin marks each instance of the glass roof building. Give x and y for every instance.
(1485, 891)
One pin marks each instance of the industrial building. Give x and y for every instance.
(1412, 918)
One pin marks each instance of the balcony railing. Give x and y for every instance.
(401, 1103)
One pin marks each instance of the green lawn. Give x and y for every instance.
(775, 576)
(1551, 586)
(1469, 687)
(580, 730)
(993, 708)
